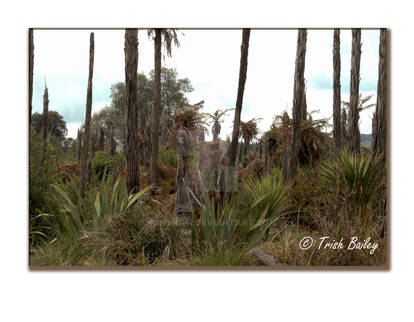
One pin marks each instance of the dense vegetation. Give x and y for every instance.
(197, 202)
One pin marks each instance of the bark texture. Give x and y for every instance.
(78, 146)
(216, 130)
(337, 90)
(344, 128)
(86, 141)
(354, 136)
(157, 108)
(31, 62)
(131, 115)
(379, 142)
(184, 151)
(232, 154)
(304, 105)
(297, 110)
(45, 112)
(101, 145)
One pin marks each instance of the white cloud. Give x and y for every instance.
(210, 59)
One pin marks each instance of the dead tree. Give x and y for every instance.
(101, 146)
(232, 152)
(344, 128)
(45, 112)
(182, 182)
(379, 130)
(297, 110)
(31, 62)
(337, 89)
(354, 135)
(157, 107)
(379, 139)
(86, 141)
(78, 146)
(131, 115)
(304, 105)
(92, 149)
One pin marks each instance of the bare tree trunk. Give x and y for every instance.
(379, 142)
(354, 136)
(45, 112)
(86, 141)
(131, 115)
(92, 148)
(101, 146)
(297, 109)
(78, 146)
(157, 108)
(112, 146)
(337, 89)
(240, 91)
(184, 151)
(304, 105)
(344, 129)
(31, 61)
(266, 154)
(374, 130)
(216, 130)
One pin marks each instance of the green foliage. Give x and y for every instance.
(221, 228)
(361, 103)
(223, 257)
(74, 218)
(103, 161)
(41, 176)
(173, 99)
(167, 157)
(136, 239)
(268, 197)
(56, 125)
(354, 181)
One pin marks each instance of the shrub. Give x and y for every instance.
(41, 176)
(222, 228)
(103, 161)
(167, 157)
(137, 239)
(354, 181)
(266, 197)
(74, 218)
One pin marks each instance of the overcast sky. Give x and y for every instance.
(210, 59)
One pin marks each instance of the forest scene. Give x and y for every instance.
(170, 148)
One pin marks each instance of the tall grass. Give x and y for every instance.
(354, 181)
(78, 214)
(267, 197)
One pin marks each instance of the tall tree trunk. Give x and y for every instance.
(304, 105)
(232, 153)
(216, 130)
(45, 112)
(297, 109)
(131, 115)
(354, 136)
(86, 141)
(344, 129)
(78, 146)
(31, 61)
(101, 146)
(157, 108)
(379, 142)
(337, 89)
(92, 148)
